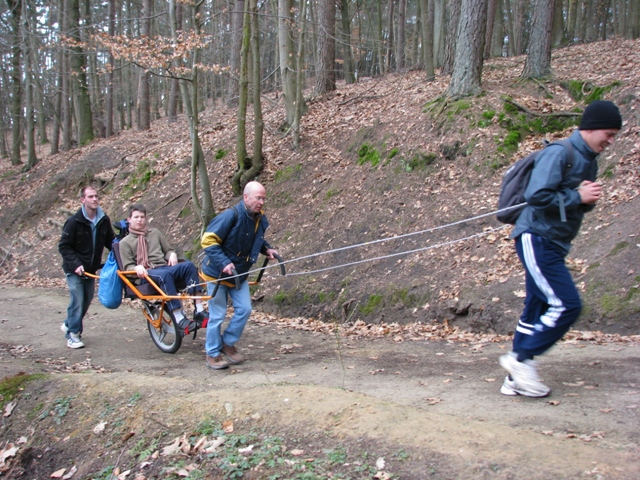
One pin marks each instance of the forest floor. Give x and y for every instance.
(336, 405)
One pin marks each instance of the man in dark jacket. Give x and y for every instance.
(231, 242)
(83, 239)
(558, 195)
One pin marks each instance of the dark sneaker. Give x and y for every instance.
(232, 355)
(187, 326)
(201, 319)
(217, 363)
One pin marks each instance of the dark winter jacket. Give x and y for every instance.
(554, 186)
(78, 246)
(234, 236)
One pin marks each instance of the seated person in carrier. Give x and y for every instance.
(147, 251)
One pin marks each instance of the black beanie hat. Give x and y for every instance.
(601, 115)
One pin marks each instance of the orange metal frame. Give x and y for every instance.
(161, 295)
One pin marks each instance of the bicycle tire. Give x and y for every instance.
(167, 337)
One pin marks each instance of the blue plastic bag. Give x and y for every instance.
(110, 287)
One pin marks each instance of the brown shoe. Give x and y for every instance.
(232, 355)
(217, 363)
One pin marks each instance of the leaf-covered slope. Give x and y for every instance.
(379, 159)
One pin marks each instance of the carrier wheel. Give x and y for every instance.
(166, 337)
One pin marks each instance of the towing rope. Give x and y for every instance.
(380, 240)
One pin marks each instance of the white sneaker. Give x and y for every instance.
(65, 329)
(525, 376)
(510, 388)
(74, 341)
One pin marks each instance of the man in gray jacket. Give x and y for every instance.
(558, 195)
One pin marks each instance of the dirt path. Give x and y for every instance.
(434, 397)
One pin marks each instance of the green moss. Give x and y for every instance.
(619, 247)
(141, 177)
(221, 153)
(586, 91)
(372, 304)
(287, 173)
(367, 153)
(419, 161)
(11, 387)
(393, 153)
(331, 193)
(608, 172)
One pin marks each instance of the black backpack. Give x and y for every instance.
(516, 179)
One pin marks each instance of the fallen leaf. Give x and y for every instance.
(58, 473)
(606, 410)
(489, 379)
(247, 449)
(432, 401)
(8, 408)
(227, 426)
(380, 463)
(70, 473)
(553, 402)
(99, 428)
(297, 452)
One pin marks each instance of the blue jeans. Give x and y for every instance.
(81, 290)
(552, 303)
(241, 300)
(169, 278)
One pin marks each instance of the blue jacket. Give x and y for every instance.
(234, 236)
(553, 187)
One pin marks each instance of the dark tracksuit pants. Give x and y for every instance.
(552, 303)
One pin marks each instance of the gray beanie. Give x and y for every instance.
(601, 115)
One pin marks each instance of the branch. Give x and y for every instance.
(544, 115)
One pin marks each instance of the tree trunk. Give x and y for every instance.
(26, 30)
(400, 40)
(439, 33)
(427, 38)
(15, 7)
(237, 21)
(287, 59)
(347, 56)
(558, 35)
(466, 78)
(453, 22)
(144, 99)
(538, 62)
(492, 6)
(325, 71)
(175, 18)
(257, 163)
(497, 40)
(572, 22)
(78, 66)
(388, 63)
(299, 79)
(112, 64)
(243, 84)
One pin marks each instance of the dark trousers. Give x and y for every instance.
(170, 279)
(552, 303)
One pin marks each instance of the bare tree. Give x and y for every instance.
(237, 22)
(453, 21)
(347, 56)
